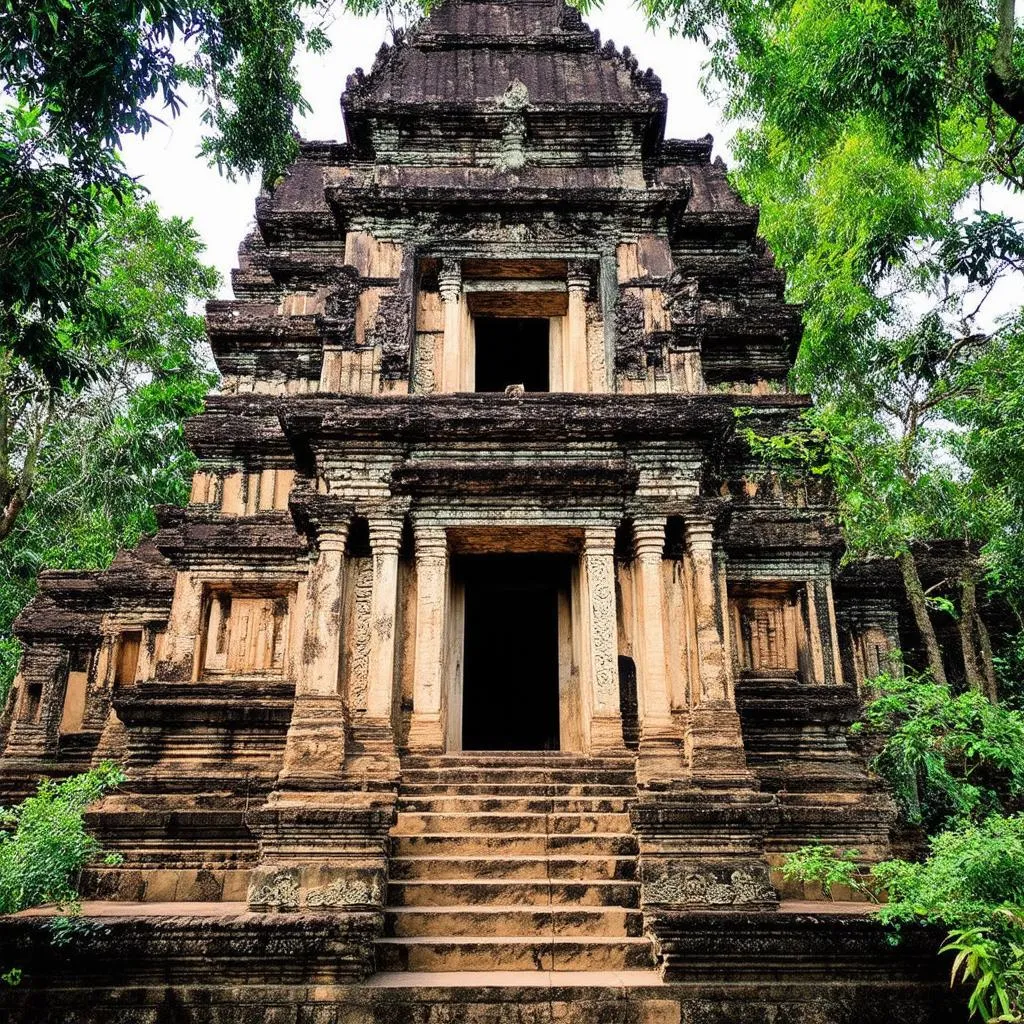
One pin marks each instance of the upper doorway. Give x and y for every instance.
(510, 696)
(512, 350)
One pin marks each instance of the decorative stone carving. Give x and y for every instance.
(346, 893)
(280, 893)
(697, 888)
(391, 330)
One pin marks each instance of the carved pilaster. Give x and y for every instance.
(601, 638)
(575, 367)
(450, 286)
(659, 753)
(373, 734)
(426, 729)
(714, 741)
(315, 748)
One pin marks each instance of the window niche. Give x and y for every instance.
(769, 623)
(245, 632)
(80, 660)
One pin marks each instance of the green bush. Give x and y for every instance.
(946, 756)
(46, 845)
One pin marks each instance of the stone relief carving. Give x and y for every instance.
(630, 350)
(602, 598)
(359, 661)
(391, 329)
(346, 893)
(514, 101)
(337, 322)
(423, 380)
(282, 891)
(702, 887)
(681, 301)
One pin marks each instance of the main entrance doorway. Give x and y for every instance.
(511, 651)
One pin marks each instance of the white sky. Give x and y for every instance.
(181, 183)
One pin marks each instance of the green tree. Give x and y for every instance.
(874, 137)
(44, 844)
(87, 461)
(75, 79)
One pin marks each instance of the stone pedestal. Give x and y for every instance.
(324, 853)
(704, 851)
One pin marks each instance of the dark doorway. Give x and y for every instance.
(510, 667)
(511, 350)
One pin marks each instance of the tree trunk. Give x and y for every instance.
(915, 594)
(1003, 83)
(988, 664)
(965, 625)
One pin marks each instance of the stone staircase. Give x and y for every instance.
(514, 862)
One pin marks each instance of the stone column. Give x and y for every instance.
(315, 749)
(385, 540)
(574, 362)
(659, 755)
(715, 740)
(426, 728)
(601, 638)
(450, 287)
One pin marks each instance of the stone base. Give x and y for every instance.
(703, 851)
(321, 850)
(315, 746)
(206, 967)
(714, 748)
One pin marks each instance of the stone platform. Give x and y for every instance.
(220, 964)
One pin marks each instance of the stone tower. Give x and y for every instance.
(484, 638)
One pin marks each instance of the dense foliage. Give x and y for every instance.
(880, 142)
(45, 845)
(75, 79)
(90, 458)
(946, 756)
(956, 764)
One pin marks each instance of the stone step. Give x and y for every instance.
(488, 922)
(515, 789)
(550, 759)
(462, 803)
(513, 774)
(414, 823)
(476, 892)
(512, 844)
(562, 953)
(582, 867)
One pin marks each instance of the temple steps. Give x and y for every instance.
(517, 804)
(520, 862)
(528, 866)
(417, 822)
(548, 953)
(511, 844)
(505, 920)
(522, 789)
(486, 891)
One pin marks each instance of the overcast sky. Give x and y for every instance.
(182, 184)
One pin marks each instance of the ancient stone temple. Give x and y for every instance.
(485, 644)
